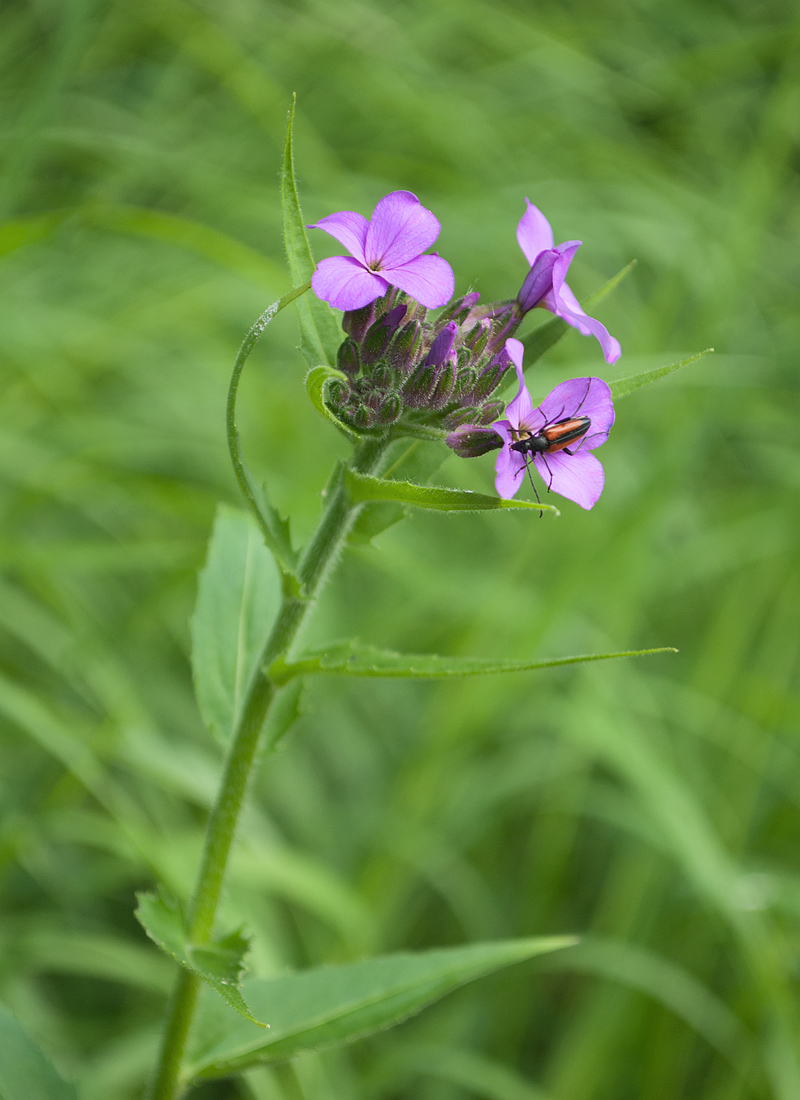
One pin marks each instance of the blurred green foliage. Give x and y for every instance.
(651, 806)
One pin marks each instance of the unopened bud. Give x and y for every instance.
(444, 386)
(355, 322)
(347, 358)
(362, 417)
(442, 345)
(390, 410)
(417, 389)
(459, 308)
(403, 349)
(490, 412)
(337, 393)
(472, 441)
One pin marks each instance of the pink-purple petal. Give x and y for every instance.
(349, 228)
(588, 326)
(400, 229)
(582, 397)
(533, 232)
(346, 284)
(577, 477)
(520, 410)
(509, 471)
(429, 279)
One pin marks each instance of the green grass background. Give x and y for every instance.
(650, 805)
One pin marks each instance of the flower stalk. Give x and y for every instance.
(314, 567)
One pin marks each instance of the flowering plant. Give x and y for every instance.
(399, 375)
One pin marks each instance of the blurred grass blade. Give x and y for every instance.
(25, 1072)
(363, 488)
(478, 1075)
(283, 713)
(320, 333)
(665, 982)
(219, 963)
(317, 380)
(332, 1005)
(353, 659)
(201, 239)
(238, 596)
(607, 287)
(623, 386)
(17, 232)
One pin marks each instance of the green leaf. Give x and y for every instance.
(25, 1072)
(316, 381)
(238, 596)
(414, 460)
(283, 713)
(354, 659)
(623, 386)
(219, 963)
(545, 336)
(363, 487)
(320, 331)
(332, 1005)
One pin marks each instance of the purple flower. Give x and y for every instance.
(385, 251)
(572, 420)
(544, 284)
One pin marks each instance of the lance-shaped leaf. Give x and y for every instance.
(331, 1005)
(219, 963)
(354, 659)
(363, 487)
(25, 1072)
(415, 460)
(317, 381)
(545, 336)
(623, 386)
(238, 596)
(320, 332)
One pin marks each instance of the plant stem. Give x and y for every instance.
(314, 567)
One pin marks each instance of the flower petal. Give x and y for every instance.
(520, 411)
(577, 477)
(533, 232)
(429, 279)
(400, 230)
(539, 280)
(582, 397)
(567, 307)
(349, 228)
(346, 284)
(510, 465)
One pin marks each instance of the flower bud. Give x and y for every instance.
(337, 393)
(355, 322)
(347, 358)
(460, 306)
(380, 332)
(443, 386)
(442, 345)
(417, 389)
(382, 377)
(487, 381)
(362, 417)
(489, 412)
(472, 441)
(390, 410)
(404, 347)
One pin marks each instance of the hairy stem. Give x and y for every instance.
(314, 567)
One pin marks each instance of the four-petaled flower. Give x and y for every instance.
(558, 436)
(385, 251)
(544, 284)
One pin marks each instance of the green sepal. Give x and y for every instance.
(354, 659)
(320, 333)
(623, 386)
(316, 381)
(362, 488)
(219, 963)
(332, 1005)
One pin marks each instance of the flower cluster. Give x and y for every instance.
(406, 369)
